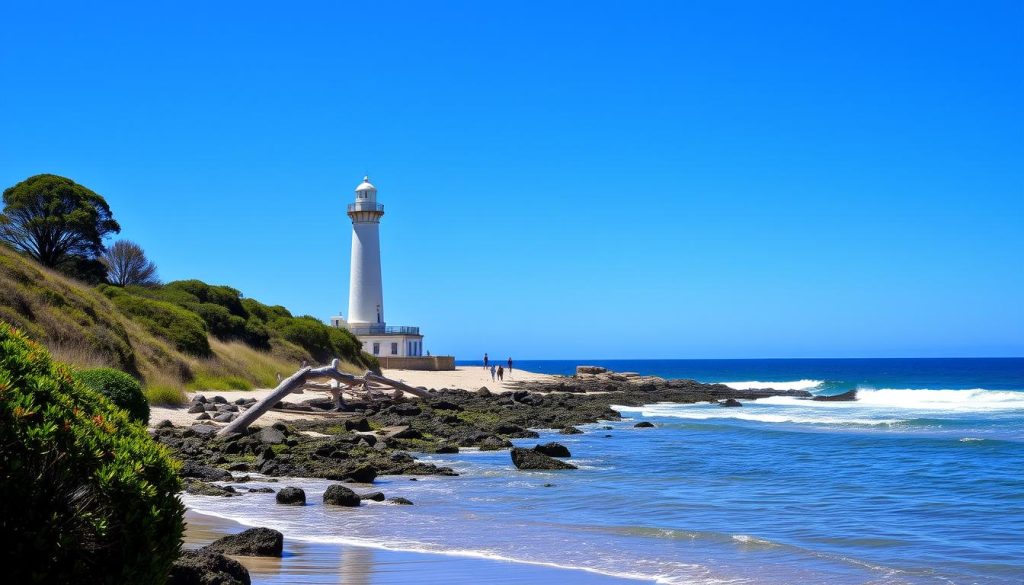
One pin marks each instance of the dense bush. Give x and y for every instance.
(87, 496)
(122, 389)
(185, 329)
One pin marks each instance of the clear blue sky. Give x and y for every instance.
(561, 179)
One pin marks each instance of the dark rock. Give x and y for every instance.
(220, 400)
(483, 392)
(227, 408)
(553, 450)
(406, 409)
(400, 501)
(493, 443)
(261, 490)
(254, 542)
(730, 402)
(375, 496)
(207, 568)
(210, 407)
(224, 417)
(844, 397)
(590, 370)
(362, 474)
(242, 401)
(271, 436)
(530, 459)
(291, 496)
(196, 408)
(339, 495)
(164, 424)
(200, 431)
(606, 428)
(204, 472)
(549, 485)
(240, 466)
(201, 488)
(445, 405)
(199, 398)
(570, 431)
(447, 448)
(643, 425)
(203, 416)
(409, 433)
(361, 425)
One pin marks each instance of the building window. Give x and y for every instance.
(376, 349)
(394, 349)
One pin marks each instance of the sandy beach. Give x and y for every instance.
(322, 563)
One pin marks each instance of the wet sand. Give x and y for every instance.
(317, 563)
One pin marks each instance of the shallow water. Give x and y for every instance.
(903, 486)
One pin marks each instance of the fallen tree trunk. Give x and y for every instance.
(301, 380)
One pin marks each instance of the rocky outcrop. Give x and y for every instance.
(207, 568)
(590, 370)
(399, 501)
(847, 396)
(553, 450)
(254, 542)
(339, 495)
(570, 431)
(643, 425)
(730, 402)
(373, 496)
(530, 459)
(204, 472)
(291, 496)
(201, 488)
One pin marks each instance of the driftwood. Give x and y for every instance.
(304, 380)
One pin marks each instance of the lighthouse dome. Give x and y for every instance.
(366, 185)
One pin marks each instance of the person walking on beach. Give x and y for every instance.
(492, 372)
(501, 373)
(509, 365)
(485, 360)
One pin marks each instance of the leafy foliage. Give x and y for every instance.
(185, 329)
(126, 265)
(53, 219)
(88, 497)
(120, 388)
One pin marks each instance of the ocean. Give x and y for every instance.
(919, 481)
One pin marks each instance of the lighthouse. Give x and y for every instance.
(365, 288)
(400, 347)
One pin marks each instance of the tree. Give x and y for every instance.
(127, 265)
(55, 220)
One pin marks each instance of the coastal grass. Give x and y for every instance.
(155, 336)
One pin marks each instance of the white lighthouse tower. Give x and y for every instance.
(400, 347)
(365, 289)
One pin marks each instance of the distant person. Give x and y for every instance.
(485, 361)
(492, 372)
(510, 365)
(501, 373)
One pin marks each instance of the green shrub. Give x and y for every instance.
(185, 329)
(88, 497)
(165, 394)
(122, 389)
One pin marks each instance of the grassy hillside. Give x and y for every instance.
(182, 335)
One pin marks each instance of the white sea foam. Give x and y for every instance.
(712, 411)
(883, 407)
(757, 385)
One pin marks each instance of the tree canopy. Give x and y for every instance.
(127, 265)
(55, 220)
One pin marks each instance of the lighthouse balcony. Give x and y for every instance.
(365, 206)
(383, 330)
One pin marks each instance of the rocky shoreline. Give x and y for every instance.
(379, 438)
